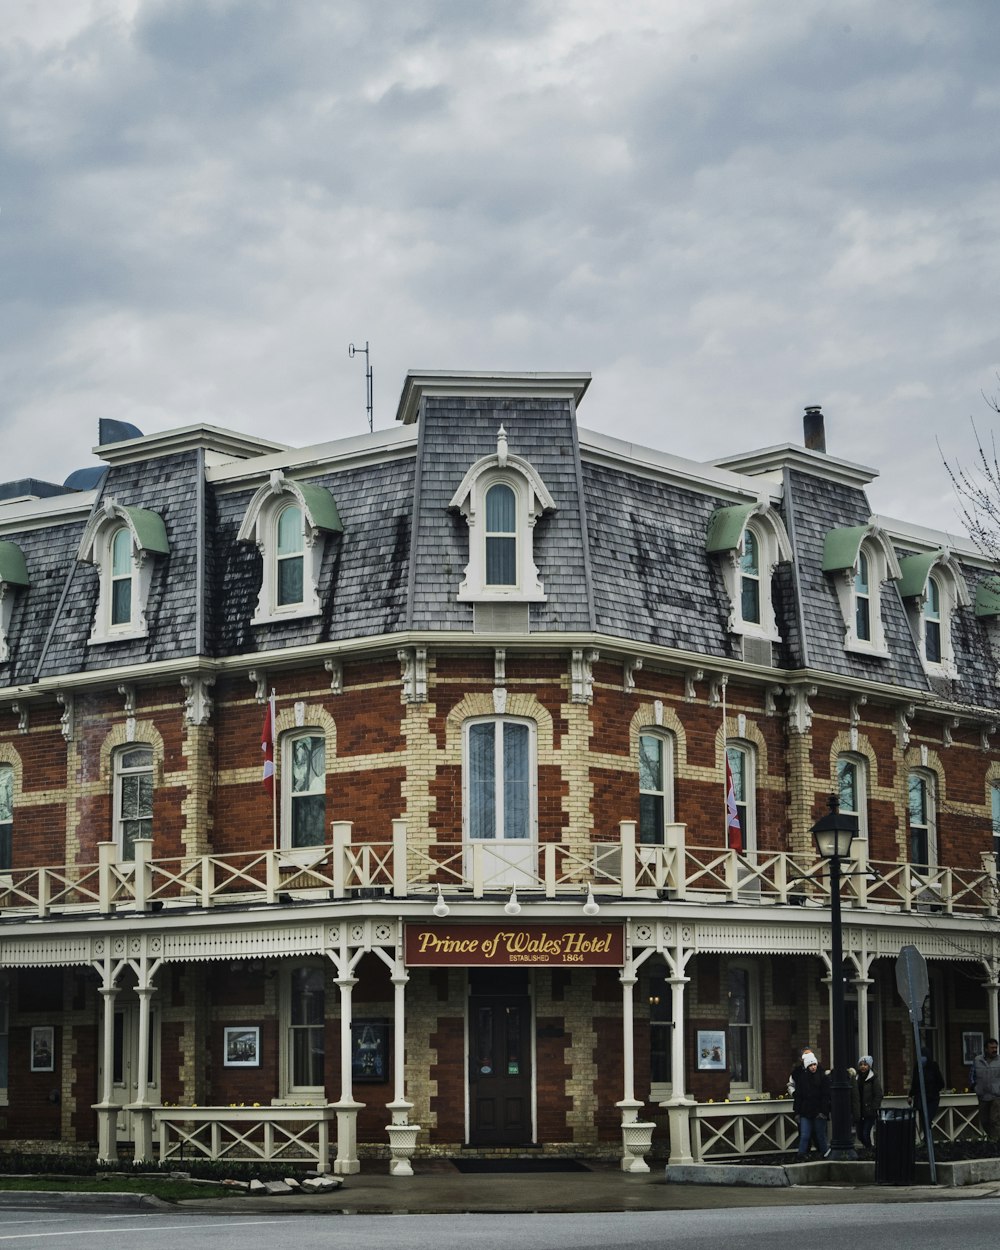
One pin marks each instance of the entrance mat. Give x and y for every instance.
(504, 1167)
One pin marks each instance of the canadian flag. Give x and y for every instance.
(734, 834)
(267, 745)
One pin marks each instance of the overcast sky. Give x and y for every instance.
(723, 209)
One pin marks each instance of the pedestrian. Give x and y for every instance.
(797, 1070)
(812, 1106)
(933, 1085)
(986, 1080)
(866, 1098)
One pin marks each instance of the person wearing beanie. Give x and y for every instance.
(866, 1098)
(812, 1106)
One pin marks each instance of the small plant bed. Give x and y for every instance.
(165, 1187)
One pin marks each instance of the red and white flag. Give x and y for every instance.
(267, 745)
(734, 834)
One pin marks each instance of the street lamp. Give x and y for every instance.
(833, 835)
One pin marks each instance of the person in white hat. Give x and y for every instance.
(812, 1105)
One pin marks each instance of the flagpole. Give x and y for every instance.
(274, 788)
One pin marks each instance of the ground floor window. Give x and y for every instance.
(744, 1065)
(660, 1027)
(305, 1048)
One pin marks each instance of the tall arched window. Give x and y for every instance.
(852, 789)
(656, 786)
(289, 556)
(742, 765)
(922, 803)
(303, 789)
(750, 578)
(501, 536)
(499, 779)
(6, 817)
(305, 1032)
(932, 622)
(122, 569)
(133, 801)
(862, 599)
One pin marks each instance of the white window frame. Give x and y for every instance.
(97, 548)
(666, 791)
(882, 567)
(752, 1028)
(289, 1091)
(498, 808)
(930, 790)
(773, 548)
(119, 775)
(995, 820)
(736, 748)
(858, 762)
(531, 499)
(656, 970)
(260, 527)
(16, 570)
(7, 826)
(286, 780)
(946, 575)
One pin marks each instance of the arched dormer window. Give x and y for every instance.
(501, 498)
(750, 540)
(933, 587)
(860, 558)
(13, 577)
(289, 522)
(123, 543)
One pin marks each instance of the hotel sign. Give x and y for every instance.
(506, 945)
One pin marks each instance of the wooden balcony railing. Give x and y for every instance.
(403, 867)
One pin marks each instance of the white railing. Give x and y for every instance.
(404, 867)
(728, 1130)
(247, 1134)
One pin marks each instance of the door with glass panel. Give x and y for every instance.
(499, 799)
(499, 1059)
(126, 1060)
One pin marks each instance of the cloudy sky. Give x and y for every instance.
(724, 209)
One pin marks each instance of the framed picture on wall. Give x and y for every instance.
(711, 1050)
(370, 1050)
(241, 1046)
(43, 1048)
(972, 1045)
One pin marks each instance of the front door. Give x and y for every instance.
(499, 1059)
(125, 1061)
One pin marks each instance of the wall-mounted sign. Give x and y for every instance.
(515, 945)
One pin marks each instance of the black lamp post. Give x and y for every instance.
(834, 834)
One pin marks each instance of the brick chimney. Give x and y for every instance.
(813, 430)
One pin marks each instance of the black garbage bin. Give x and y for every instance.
(896, 1146)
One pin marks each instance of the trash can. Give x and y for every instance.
(895, 1146)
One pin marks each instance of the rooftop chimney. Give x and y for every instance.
(812, 428)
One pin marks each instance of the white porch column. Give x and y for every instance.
(678, 1105)
(142, 1113)
(402, 1134)
(861, 985)
(992, 992)
(637, 1135)
(347, 1162)
(107, 1108)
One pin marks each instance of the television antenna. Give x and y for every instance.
(353, 351)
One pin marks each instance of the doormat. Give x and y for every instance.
(504, 1167)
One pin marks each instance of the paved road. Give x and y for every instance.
(928, 1225)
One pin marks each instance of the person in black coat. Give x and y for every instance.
(866, 1098)
(811, 1104)
(933, 1085)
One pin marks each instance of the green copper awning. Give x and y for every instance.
(841, 547)
(988, 597)
(321, 507)
(13, 570)
(916, 570)
(726, 526)
(150, 532)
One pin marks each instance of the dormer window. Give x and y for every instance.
(501, 498)
(860, 558)
(290, 523)
(124, 543)
(751, 542)
(13, 577)
(932, 587)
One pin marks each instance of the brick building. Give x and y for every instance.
(492, 904)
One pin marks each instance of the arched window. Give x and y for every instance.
(656, 786)
(922, 803)
(122, 569)
(750, 578)
(303, 789)
(932, 622)
(288, 554)
(863, 599)
(742, 765)
(744, 1026)
(6, 817)
(304, 1010)
(501, 536)
(133, 799)
(852, 789)
(499, 779)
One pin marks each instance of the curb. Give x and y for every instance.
(80, 1198)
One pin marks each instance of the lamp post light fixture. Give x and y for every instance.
(833, 835)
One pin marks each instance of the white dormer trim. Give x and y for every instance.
(147, 539)
(842, 557)
(953, 593)
(773, 548)
(260, 526)
(531, 500)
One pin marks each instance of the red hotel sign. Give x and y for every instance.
(510, 945)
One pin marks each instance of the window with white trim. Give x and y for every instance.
(750, 541)
(742, 765)
(499, 774)
(656, 785)
(501, 498)
(4, 1036)
(123, 543)
(122, 574)
(6, 817)
(303, 1002)
(303, 789)
(852, 789)
(995, 818)
(289, 557)
(750, 590)
(932, 622)
(13, 577)
(933, 588)
(863, 598)
(661, 1026)
(861, 559)
(922, 811)
(743, 1042)
(133, 798)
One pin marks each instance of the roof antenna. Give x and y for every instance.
(353, 351)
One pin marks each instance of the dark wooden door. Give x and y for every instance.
(499, 1069)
